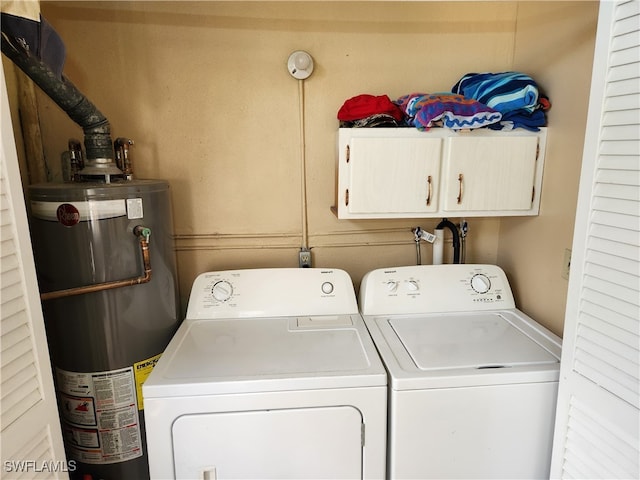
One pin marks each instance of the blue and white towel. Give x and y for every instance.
(504, 92)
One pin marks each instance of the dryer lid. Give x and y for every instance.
(267, 354)
(259, 347)
(467, 340)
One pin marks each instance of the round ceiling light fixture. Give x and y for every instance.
(300, 64)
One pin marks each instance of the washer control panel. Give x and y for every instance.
(435, 288)
(272, 292)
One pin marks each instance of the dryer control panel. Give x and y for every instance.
(435, 288)
(272, 292)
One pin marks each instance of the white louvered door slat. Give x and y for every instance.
(620, 118)
(29, 426)
(593, 318)
(598, 415)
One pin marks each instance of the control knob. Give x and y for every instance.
(222, 290)
(480, 283)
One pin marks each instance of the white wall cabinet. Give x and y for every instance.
(406, 173)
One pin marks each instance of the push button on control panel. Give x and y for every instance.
(327, 288)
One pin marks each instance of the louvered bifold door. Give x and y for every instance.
(598, 414)
(30, 429)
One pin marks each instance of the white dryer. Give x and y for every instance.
(271, 375)
(472, 380)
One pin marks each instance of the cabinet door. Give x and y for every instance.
(490, 173)
(393, 175)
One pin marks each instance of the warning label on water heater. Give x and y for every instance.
(100, 415)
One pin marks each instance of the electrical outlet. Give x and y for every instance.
(566, 263)
(304, 259)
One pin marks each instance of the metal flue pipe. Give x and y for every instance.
(97, 133)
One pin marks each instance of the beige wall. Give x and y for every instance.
(532, 250)
(202, 88)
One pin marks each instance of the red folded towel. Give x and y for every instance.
(363, 106)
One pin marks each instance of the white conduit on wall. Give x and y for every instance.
(300, 66)
(303, 166)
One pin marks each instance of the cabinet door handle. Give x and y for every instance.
(460, 187)
(429, 190)
(346, 197)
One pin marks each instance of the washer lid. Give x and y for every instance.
(458, 341)
(267, 354)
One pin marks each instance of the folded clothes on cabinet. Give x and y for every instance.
(499, 101)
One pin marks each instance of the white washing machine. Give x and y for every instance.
(472, 380)
(271, 375)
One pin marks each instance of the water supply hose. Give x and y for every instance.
(417, 232)
(464, 229)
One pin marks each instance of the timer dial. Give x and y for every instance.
(222, 290)
(480, 283)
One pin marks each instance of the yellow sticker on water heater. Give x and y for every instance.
(141, 371)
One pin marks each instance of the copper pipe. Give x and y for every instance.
(98, 287)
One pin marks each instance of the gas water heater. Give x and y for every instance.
(105, 260)
(106, 268)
